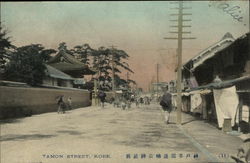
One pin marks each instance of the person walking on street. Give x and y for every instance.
(61, 105)
(69, 103)
(166, 103)
(102, 96)
(137, 102)
(141, 101)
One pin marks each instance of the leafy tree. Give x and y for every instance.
(83, 52)
(120, 64)
(103, 59)
(27, 64)
(63, 48)
(100, 61)
(5, 45)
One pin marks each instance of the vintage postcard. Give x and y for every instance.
(125, 82)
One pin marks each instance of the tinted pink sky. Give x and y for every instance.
(136, 27)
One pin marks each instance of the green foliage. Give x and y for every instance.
(5, 44)
(63, 47)
(27, 64)
(83, 52)
(104, 58)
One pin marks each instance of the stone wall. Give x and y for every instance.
(20, 101)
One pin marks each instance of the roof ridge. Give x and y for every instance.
(206, 49)
(61, 74)
(209, 47)
(71, 58)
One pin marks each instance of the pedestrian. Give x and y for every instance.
(61, 105)
(146, 100)
(112, 100)
(102, 96)
(132, 98)
(123, 105)
(141, 100)
(166, 103)
(137, 102)
(69, 103)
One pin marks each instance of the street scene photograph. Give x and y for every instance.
(125, 82)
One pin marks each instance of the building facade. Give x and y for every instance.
(218, 83)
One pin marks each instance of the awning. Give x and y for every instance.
(203, 91)
(222, 84)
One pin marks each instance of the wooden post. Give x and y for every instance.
(179, 75)
(240, 113)
(113, 72)
(180, 33)
(95, 92)
(157, 80)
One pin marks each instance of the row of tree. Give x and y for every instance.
(27, 63)
(102, 60)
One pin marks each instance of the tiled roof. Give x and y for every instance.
(54, 73)
(69, 63)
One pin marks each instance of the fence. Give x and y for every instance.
(25, 101)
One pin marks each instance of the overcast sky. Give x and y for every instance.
(136, 27)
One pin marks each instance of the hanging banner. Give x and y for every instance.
(196, 103)
(226, 102)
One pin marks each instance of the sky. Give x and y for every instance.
(138, 27)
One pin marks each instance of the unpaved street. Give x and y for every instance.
(94, 134)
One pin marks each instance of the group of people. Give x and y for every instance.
(165, 102)
(62, 105)
(143, 100)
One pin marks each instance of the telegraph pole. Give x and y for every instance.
(0, 12)
(113, 70)
(157, 79)
(180, 37)
(127, 76)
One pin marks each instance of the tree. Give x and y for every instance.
(83, 52)
(5, 45)
(120, 63)
(102, 61)
(27, 64)
(63, 48)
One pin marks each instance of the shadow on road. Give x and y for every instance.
(9, 121)
(184, 123)
(24, 137)
(70, 132)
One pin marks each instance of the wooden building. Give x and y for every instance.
(57, 78)
(224, 75)
(70, 65)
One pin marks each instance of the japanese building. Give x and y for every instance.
(198, 70)
(70, 65)
(57, 78)
(217, 83)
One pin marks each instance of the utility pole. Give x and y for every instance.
(157, 80)
(180, 37)
(127, 79)
(0, 13)
(113, 70)
(95, 93)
